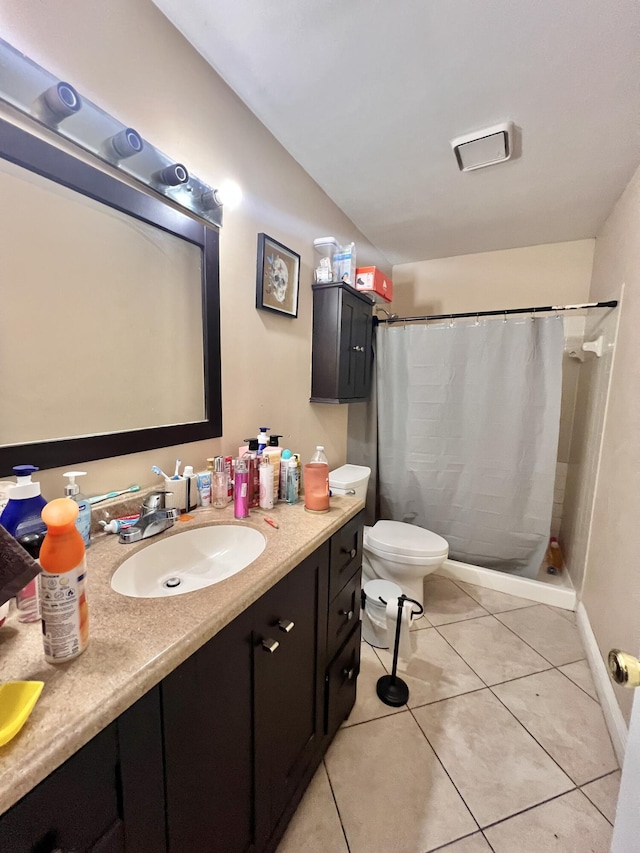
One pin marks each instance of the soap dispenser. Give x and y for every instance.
(263, 439)
(72, 490)
(21, 515)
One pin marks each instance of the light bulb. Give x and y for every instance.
(230, 194)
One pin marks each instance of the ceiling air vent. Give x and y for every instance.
(484, 147)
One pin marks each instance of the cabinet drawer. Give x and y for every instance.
(344, 613)
(346, 554)
(341, 679)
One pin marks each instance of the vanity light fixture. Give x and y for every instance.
(484, 147)
(60, 101)
(125, 143)
(172, 175)
(34, 91)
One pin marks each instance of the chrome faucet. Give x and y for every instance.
(155, 517)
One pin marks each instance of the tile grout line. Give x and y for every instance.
(335, 802)
(589, 798)
(542, 747)
(439, 760)
(522, 640)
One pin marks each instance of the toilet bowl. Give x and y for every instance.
(402, 553)
(392, 550)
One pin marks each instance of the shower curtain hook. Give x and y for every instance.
(557, 315)
(505, 317)
(533, 317)
(451, 323)
(477, 322)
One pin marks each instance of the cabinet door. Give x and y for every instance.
(289, 648)
(207, 717)
(355, 347)
(73, 808)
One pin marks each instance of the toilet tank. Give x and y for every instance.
(350, 480)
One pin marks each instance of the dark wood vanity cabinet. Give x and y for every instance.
(216, 758)
(107, 798)
(341, 344)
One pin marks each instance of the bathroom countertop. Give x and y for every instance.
(135, 642)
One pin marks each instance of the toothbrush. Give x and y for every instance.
(176, 475)
(159, 472)
(99, 498)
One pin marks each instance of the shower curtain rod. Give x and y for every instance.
(613, 303)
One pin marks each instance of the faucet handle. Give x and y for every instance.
(155, 500)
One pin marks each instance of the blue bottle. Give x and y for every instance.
(22, 514)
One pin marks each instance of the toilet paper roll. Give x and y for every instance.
(405, 649)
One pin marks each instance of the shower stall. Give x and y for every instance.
(470, 434)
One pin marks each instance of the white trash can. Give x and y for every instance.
(374, 612)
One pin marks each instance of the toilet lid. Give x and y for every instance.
(397, 537)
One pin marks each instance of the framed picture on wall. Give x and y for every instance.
(278, 277)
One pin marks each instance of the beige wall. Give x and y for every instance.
(127, 58)
(612, 583)
(551, 274)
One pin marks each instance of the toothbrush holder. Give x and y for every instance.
(178, 490)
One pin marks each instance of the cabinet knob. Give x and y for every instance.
(270, 645)
(347, 613)
(349, 673)
(286, 625)
(350, 551)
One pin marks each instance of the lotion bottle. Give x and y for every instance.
(284, 469)
(266, 483)
(72, 490)
(63, 597)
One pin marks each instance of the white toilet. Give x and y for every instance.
(393, 550)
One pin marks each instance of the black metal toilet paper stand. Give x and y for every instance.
(391, 689)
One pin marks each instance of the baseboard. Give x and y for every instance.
(612, 714)
(557, 596)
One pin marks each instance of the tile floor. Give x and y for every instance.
(502, 746)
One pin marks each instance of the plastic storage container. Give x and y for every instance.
(325, 248)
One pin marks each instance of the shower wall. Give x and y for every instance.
(585, 444)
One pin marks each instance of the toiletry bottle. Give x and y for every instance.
(241, 487)
(274, 452)
(254, 473)
(263, 439)
(284, 468)
(319, 455)
(228, 464)
(72, 490)
(293, 480)
(63, 598)
(21, 517)
(28, 599)
(22, 513)
(266, 483)
(220, 484)
(204, 480)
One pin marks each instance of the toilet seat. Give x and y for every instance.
(397, 538)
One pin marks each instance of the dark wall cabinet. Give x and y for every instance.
(341, 345)
(216, 758)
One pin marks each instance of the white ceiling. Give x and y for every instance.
(367, 94)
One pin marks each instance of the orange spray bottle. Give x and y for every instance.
(65, 613)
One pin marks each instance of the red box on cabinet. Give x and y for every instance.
(370, 280)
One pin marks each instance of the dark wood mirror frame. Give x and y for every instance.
(30, 152)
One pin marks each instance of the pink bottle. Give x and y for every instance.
(241, 488)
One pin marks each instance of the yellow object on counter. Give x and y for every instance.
(17, 700)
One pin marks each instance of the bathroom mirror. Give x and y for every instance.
(109, 317)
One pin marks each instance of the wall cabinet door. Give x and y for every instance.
(341, 347)
(289, 650)
(207, 718)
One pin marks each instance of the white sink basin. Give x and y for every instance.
(188, 561)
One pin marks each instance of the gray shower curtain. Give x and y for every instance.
(468, 419)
